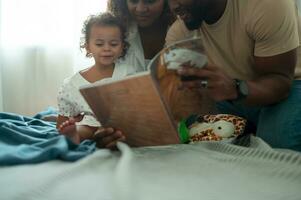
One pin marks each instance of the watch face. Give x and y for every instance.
(243, 88)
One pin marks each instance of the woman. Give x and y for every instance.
(147, 22)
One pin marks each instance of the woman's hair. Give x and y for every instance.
(103, 19)
(119, 8)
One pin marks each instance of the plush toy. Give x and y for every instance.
(175, 58)
(211, 127)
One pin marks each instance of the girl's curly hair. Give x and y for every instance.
(120, 9)
(103, 19)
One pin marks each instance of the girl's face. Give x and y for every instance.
(105, 44)
(145, 12)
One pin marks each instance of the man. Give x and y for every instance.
(254, 69)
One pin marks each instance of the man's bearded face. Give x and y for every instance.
(191, 13)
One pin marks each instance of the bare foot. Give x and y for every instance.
(68, 128)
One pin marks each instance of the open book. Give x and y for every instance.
(147, 106)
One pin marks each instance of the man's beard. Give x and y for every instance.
(197, 17)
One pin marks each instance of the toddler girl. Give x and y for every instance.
(104, 41)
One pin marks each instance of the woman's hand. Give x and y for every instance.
(108, 137)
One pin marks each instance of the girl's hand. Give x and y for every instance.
(108, 137)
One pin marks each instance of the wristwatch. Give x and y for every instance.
(242, 90)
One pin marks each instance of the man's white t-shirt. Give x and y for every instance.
(247, 28)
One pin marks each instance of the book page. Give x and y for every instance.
(185, 102)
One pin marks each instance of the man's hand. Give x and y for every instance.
(274, 76)
(108, 137)
(219, 85)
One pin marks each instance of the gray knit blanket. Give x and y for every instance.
(205, 170)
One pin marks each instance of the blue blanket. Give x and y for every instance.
(31, 140)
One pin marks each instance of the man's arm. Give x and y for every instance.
(276, 39)
(273, 84)
(275, 77)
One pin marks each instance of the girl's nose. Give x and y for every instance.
(106, 47)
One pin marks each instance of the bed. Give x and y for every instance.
(246, 168)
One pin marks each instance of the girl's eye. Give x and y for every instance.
(99, 44)
(114, 44)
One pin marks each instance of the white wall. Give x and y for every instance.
(35, 61)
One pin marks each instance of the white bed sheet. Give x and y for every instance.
(207, 171)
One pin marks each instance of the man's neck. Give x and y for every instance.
(215, 11)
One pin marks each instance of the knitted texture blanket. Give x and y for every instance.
(206, 170)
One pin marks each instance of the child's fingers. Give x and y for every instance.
(104, 137)
(112, 145)
(122, 139)
(103, 132)
(113, 137)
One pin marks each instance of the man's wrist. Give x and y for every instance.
(242, 90)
